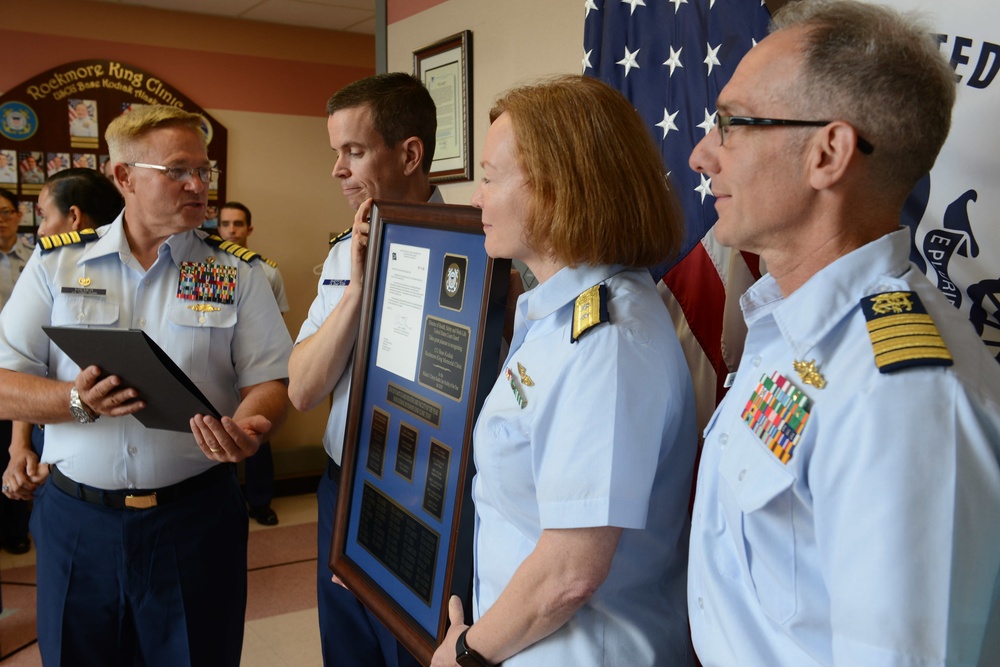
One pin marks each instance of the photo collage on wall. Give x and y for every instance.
(56, 120)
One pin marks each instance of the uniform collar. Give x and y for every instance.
(20, 249)
(564, 287)
(113, 240)
(807, 315)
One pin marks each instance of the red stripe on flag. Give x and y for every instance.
(695, 283)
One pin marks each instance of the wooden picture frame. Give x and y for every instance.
(427, 355)
(445, 68)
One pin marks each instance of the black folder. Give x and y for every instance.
(170, 395)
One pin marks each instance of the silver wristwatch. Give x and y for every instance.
(79, 409)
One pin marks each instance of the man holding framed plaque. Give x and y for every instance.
(382, 130)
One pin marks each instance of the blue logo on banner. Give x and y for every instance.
(17, 121)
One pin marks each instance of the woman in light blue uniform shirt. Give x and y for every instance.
(585, 446)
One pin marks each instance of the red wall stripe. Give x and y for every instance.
(212, 80)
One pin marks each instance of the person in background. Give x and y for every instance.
(71, 201)
(382, 130)
(141, 533)
(14, 251)
(236, 225)
(14, 254)
(77, 199)
(849, 487)
(583, 471)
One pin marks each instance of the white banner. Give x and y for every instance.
(957, 241)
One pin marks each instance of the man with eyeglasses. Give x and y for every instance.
(14, 252)
(848, 495)
(141, 533)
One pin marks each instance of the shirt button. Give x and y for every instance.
(743, 473)
(201, 319)
(145, 282)
(756, 361)
(701, 603)
(142, 321)
(723, 439)
(80, 316)
(132, 449)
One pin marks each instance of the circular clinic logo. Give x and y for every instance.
(17, 121)
(453, 279)
(206, 127)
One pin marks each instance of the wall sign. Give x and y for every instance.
(56, 120)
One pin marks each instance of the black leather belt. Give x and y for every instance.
(140, 498)
(333, 470)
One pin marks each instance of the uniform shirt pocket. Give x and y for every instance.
(195, 333)
(762, 488)
(75, 310)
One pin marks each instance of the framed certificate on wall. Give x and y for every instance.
(445, 68)
(428, 352)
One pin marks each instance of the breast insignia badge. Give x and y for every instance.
(525, 378)
(809, 373)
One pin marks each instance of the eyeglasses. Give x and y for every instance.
(182, 174)
(725, 122)
(7, 213)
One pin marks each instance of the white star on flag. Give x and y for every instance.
(708, 123)
(586, 60)
(590, 5)
(705, 188)
(712, 58)
(668, 122)
(677, 4)
(633, 3)
(674, 60)
(629, 60)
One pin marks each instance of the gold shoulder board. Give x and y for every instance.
(341, 236)
(903, 334)
(591, 309)
(245, 254)
(269, 262)
(50, 243)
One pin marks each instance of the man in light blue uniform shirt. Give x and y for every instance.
(14, 252)
(382, 129)
(848, 495)
(142, 533)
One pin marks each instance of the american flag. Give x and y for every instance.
(671, 58)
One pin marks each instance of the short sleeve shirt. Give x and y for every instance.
(238, 342)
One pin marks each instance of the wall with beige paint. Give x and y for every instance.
(267, 84)
(512, 42)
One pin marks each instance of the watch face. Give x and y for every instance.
(80, 414)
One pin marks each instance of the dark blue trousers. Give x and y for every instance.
(164, 586)
(352, 636)
(14, 514)
(259, 474)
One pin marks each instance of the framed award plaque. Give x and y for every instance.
(427, 354)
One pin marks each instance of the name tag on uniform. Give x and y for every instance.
(337, 282)
(85, 291)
